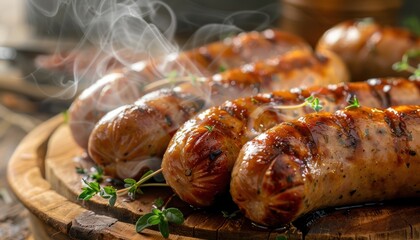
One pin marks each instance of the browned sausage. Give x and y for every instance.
(369, 49)
(104, 96)
(198, 161)
(329, 159)
(157, 116)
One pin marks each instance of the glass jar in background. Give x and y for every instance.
(310, 18)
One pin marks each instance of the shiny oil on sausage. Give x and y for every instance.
(325, 159)
(200, 157)
(158, 115)
(125, 85)
(369, 49)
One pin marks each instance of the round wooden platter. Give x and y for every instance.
(42, 174)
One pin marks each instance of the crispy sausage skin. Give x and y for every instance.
(200, 157)
(107, 94)
(369, 49)
(158, 115)
(329, 159)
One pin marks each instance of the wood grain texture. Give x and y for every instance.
(52, 215)
(53, 200)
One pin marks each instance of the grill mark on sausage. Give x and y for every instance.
(349, 136)
(305, 136)
(242, 108)
(272, 202)
(399, 136)
(374, 93)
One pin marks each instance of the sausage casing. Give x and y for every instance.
(369, 49)
(106, 94)
(198, 162)
(329, 159)
(162, 115)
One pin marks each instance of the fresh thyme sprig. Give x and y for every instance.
(160, 216)
(404, 64)
(95, 174)
(314, 103)
(132, 187)
(109, 192)
(209, 128)
(98, 174)
(93, 188)
(311, 101)
(353, 103)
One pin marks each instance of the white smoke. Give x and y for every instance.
(124, 32)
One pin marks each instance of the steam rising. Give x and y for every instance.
(126, 32)
(123, 32)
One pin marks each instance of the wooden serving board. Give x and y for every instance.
(42, 174)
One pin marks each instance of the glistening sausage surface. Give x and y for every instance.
(329, 159)
(126, 85)
(198, 162)
(160, 114)
(369, 49)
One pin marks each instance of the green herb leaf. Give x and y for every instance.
(400, 66)
(110, 190)
(174, 215)
(141, 223)
(146, 174)
(404, 64)
(97, 175)
(313, 103)
(112, 200)
(353, 103)
(156, 211)
(130, 182)
(222, 68)
(161, 218)
(86, 194)
(153, 220)
(90, 190)
(164, 228)
(254, 101)
(80, 170)
(93, 185)
(209, 128)
(159, 202)
(281, 237)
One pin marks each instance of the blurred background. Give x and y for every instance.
(30, 94)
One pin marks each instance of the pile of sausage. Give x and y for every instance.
(232, 119)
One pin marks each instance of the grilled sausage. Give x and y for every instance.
(369, 49)
(198, 161)
(108, 93)
(157, 117)
(103, 96)
(329, 159)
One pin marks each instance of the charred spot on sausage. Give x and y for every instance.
(168, 120)
(214, 154)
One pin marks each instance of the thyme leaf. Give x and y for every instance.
(353, 103)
